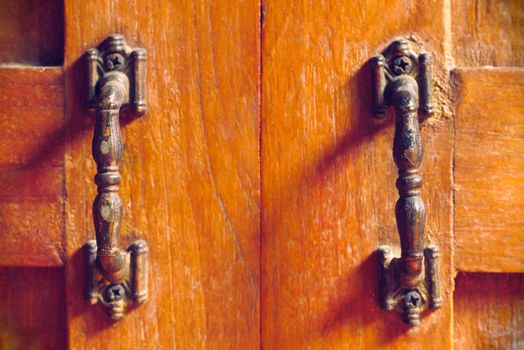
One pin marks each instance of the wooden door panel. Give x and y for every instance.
(198, 174)
(32, 308)
(31, 166)
(328, 177)
(488, 311)
(489, 170)
(488, 173)
(487, 32)
(32, 32)
(190, 173)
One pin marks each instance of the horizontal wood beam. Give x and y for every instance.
(489, 170)
(31, 166)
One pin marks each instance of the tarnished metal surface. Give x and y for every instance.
(403, 80)
(116, 79)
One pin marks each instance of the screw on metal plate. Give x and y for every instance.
(114, 292)
(403, 80)
(116, 82)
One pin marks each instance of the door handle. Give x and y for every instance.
(409, 284)
(116, 84)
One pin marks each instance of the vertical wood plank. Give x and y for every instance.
(190, 173)
(328, 177)
(488, 32)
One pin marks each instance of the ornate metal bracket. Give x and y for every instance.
(403, 80)
(116, 84)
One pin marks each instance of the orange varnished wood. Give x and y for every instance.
(32, 32)
(488, 32)
(328, 177)
(32, 309)
(488, 311)
(190, 174)
(31, 167)
(489, 170)
(488, 173)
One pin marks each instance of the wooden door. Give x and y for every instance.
(258, 176)
(190, 176)
(328, 176)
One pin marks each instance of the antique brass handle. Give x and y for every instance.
(403, 80)
(116, 79)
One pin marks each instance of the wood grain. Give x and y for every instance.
(488, 311)
(190, 174)
(31, 167)
(489, 170)
(32, 309)
(32, 32)
(290, 264)
(488, 32)
(328, 176)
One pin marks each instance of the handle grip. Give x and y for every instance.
(116, 83)
(403, 80)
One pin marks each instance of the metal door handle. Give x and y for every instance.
(116, 84)
(403, 80)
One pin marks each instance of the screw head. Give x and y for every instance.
(412, 299)
(401, 65)
(114, 61)
(114, 292)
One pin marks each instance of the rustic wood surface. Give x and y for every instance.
(488, 311)
(488, 112)
(32, 32)
(489, 170)
(488, 32)
(32, 308)
(31, 166)
(328, 176)
(190, 174)
(263, 237)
